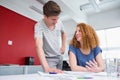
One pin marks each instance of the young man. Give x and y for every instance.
(48, 33)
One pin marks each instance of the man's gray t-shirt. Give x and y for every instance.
(51, 38)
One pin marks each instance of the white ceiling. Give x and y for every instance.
(73, 11)
(70, 8)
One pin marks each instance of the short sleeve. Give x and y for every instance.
(37, 31)
(71, 48)
(97, 50)
(60, 26)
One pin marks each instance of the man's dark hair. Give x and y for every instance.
(51, 9)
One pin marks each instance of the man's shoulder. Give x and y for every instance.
(59, 25)
(40, 24)
(59, 22)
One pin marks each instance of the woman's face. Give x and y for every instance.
(78, 34)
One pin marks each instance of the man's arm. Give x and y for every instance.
(63, 37)
(41, 56)
(40, 53)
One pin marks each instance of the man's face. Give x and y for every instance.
(51, 20)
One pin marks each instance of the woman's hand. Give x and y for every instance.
(92, 66)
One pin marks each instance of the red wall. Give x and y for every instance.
(20, 30)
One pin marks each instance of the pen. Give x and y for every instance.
(84, 78)
(52, 73)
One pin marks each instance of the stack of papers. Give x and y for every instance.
(71, 75)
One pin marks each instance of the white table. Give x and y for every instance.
(23, 77)
(38, 77)
(19, 69)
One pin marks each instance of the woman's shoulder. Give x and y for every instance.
(72, 47)
(97, 47)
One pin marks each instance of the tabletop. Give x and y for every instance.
(64, 76)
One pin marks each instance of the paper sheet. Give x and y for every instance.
(68, 75)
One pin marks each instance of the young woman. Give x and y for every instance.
(84, 51)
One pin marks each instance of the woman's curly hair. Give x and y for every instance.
(89, 37)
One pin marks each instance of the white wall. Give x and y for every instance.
(106, 19)
(22, 7)
(70, 26)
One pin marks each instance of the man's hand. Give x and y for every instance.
(54, 70)
(62, 50)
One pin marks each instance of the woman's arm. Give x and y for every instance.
(73, 63)
(100, 62)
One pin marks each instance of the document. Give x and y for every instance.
(68, 75)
